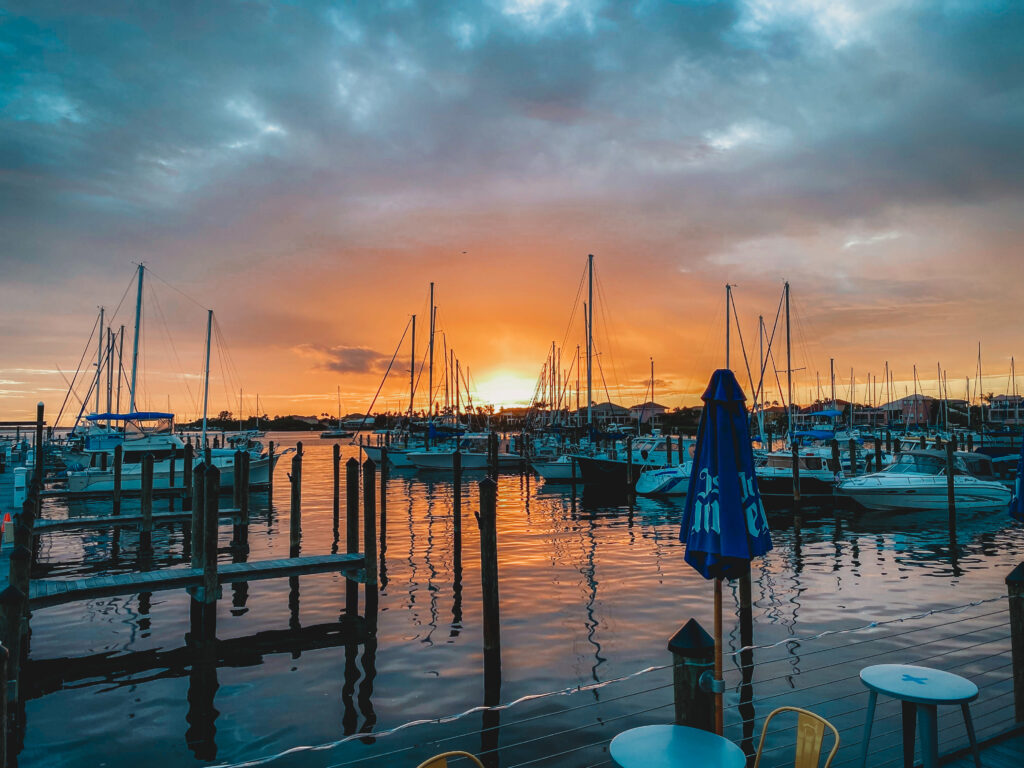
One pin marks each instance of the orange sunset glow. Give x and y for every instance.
(313, 217)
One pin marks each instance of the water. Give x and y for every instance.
(590, 589)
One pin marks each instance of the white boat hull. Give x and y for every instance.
(94, 479)
(442, 460)
(925, 493)
(670, 481)
(560, 470)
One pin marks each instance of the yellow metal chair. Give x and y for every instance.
(441, 761)
(810, 733)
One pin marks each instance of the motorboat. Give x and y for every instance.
(648, 452)
(918, 480)
(561, 469)
(667, 481)
(774, 471)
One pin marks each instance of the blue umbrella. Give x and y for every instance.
(1017, 502)
(724, 523)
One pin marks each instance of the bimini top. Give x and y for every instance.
(830, 412)
(139, 416)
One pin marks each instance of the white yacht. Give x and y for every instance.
(918, 480)
(667, 481)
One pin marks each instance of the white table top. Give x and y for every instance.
(919, 685)
(671, 746)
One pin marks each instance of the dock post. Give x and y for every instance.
(186, 478)
(336, 463)
(384, 476)
(487, 520)
(172, 476)
(243, 499)
(198, 516)
(923, 443)
(103, 462)
(4, 661)
(146, 499)
(888, 441)
(370, 522)
(853, 457)
(970, 442)
(878, 455)
(682, 458)
(40, 458)
(1015, 592)
(270, 473)
(118, 460)
(211, 521)
(951, 489)
(351, 530)
(236, 485)
(492, 454)
(295, 527)
(795, 452)
(836, 465)
(12, 607)
(693, 653)
(629, 463)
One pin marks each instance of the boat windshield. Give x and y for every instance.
(917, 464)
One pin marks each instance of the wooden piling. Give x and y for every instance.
(211, 520)
(186, 477)
(888, 441)
(4, 660)
(351, 530)
(118, 459)
(270, 473)
(243, 496)
(836, 464)
(40, 457)
(951, 488)
(146, 532)
(852, 446)
(295, 518)
(12, 608)
(487, 520)
(370, 521)
(629, 463)
(236, 486)
(198, 516)
(385, 471)
(693, 653)
(970, 442)
(336, 464)
(878, 455)
(1015, 592)
(173, 472)
(795, 453)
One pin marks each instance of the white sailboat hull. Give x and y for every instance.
(94, 479)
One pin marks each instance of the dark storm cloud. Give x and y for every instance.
(140, 126)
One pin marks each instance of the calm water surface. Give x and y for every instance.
(591, 590)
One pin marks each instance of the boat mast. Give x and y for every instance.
(915, 394)
(728, 319)
(206, 372)
(412, 369)
(981, 390)
(135, 343)
(577, 385)
(1016, 403)
(239, 409)
(759, 400)
(120, 365)
(99, 360)
(110, 369)
(430, 366)
(589, 310)
(789, 371)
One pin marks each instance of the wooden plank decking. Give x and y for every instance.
(1001, 752)
(45, 592)
(114, 521)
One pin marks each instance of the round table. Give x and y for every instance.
(669, 746)
(922, 689)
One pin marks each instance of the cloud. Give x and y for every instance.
(345, 359)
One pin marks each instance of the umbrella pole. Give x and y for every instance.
(719, 714)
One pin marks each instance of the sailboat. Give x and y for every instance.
(339, 431)
(141, 433)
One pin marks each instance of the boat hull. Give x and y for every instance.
(562, 470)
(443, 460)
(131, 476)
(970, 494)
(669, 481)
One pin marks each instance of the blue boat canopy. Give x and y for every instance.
(829, 412)
(139, 416)
(815, 434)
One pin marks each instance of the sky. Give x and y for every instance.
(307, 169)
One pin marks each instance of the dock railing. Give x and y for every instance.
(572, 726)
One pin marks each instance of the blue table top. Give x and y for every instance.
(918, 685)
(670, 746)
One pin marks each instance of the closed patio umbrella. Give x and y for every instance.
(724, 524)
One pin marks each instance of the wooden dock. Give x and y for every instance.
(46, 592)
(119, 521)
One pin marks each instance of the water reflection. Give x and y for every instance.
(592, 586)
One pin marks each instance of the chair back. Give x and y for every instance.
(810, 733)
(441, 761)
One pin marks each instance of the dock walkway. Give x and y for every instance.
(45, 592)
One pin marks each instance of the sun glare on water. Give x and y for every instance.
(504, 390)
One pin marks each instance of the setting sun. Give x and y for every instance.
(505, 389)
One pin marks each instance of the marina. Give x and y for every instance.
(572, 630)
